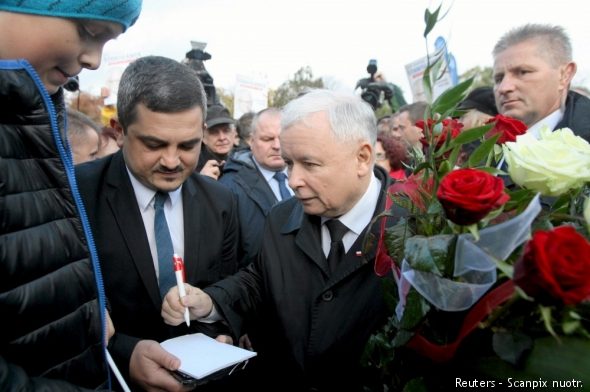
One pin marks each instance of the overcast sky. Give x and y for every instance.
(336, 38)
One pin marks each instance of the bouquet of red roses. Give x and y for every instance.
(486, 281)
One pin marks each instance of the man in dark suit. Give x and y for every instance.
(313, 287)
(161, 105)
(533, 70)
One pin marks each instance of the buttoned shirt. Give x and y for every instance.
(172, 210)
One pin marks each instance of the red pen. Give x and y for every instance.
(179, 272)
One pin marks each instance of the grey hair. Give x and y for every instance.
(554, 42)
(161, 84)
(350, 117)
(78, 124)
(269, 111)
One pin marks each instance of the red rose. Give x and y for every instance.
(449, 127)
(468, 195)
(416, 188)
(555, 263)
(508, 128)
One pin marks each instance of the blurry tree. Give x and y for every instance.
(482, 76)
(301, 81)
(227, 98)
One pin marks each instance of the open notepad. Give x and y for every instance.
(201, 355)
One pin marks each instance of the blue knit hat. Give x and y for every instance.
(124, 12)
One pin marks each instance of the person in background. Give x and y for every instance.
(83, 136)
(108, 142)
(479, 106)
(218, 142)
(54, 321)
(407, 116)
(244, 130)
(533, 70)
(160, 108)
(313, 288)
(258, 178)
(384, 124)
(391, 153)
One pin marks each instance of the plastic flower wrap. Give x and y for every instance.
(485, 282)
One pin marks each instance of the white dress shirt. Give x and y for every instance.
(172, 210)
(357, 218)
(550, 121)
(274, 184)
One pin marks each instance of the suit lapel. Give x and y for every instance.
(192, 221)
(308, 237)
(121, 199)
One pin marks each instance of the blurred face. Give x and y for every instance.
(57, 48)
(84, 147)
(220, 138)
(265, 143)
(381, 157)
(408, 131)
(162, 149)
(526, 86)
(327, 176)
(395, 127)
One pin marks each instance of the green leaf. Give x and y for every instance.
(416, 385)
(430, 20)
(482, 151)
(471, 135)
(444, 168)
(431, 254)
(511, 347)
(451, 97)
(567, 359)
(505, 268)
(547, 320)
(474, 231)
(415, 310)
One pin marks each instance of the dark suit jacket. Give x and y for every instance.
(315, 325)
(210, 248)
(255, 199)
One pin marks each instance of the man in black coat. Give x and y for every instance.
(317, 310)
(160, 121)
(533, 70)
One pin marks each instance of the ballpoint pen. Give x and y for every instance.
(179, 272)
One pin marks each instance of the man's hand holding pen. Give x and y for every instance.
(196, 300)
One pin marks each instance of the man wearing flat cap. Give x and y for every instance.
(218, 140)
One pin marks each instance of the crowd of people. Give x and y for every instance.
(268, 211)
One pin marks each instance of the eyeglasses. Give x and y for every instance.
(380, 156)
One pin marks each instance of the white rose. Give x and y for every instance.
(557, 162)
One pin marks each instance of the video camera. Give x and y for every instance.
(373, 92)
(195, 59)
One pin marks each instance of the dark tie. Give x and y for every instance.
(281, 177)
(337, 230)
(163, 245)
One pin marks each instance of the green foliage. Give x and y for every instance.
(301, 81)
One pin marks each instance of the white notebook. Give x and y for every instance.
(201, 355)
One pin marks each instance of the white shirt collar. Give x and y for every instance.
(145, 195)
(361, 214)
(550, 121)
(267, 174)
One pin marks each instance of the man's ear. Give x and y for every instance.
(568, 71)
(365, 159)
(116, 125)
